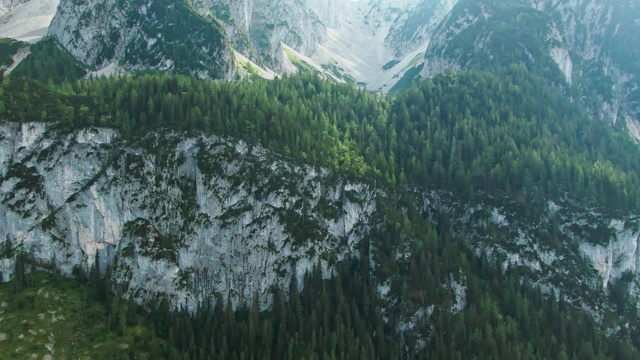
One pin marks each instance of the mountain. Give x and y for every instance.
(162, 35)
(166, 210)
(369, 42)
(489, 207)
(579, 45)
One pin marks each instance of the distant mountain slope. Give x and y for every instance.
(256, 28)
(139, 35)
(26, 20)
(581, 45)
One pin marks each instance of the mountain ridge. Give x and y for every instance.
(454, 204)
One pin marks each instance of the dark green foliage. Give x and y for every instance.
(42, 310)
(48, 61)
(150, 242)
(342, 317)
(510, 133)
(390, 64)
(410, 77)
(469, 133)
(8, 48)
(181, 35)
(513, 33)
(474, 131)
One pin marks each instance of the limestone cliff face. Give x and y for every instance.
(7, 5)
(567, 248)
(138, 35)
(415, 26)
(186, 217)
(599, 33)
(193, 217)
(258, 27)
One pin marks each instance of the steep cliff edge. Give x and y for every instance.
(194, 217)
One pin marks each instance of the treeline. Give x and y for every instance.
(469, 132)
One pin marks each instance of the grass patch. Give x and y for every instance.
(300, 63)
(57, 316)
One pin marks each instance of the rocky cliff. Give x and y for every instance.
(193, 217)
(187, 217)
(137, 35)
(257, 28)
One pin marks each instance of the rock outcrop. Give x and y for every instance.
(185, 217)
(137, 35)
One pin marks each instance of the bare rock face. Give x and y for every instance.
(137, 35)
(26, 20)
(7, 6)
(258, 27)
(192, 218)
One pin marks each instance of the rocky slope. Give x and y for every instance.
(376, 42)
(581, 45)
(192, 218)
(137, 35)
(6, 6)
(368, 42)
(257, 28)
(26, 20)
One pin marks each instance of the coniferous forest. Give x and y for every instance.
(471, 133)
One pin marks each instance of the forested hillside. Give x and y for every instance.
(470, 132)
(475, 135)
